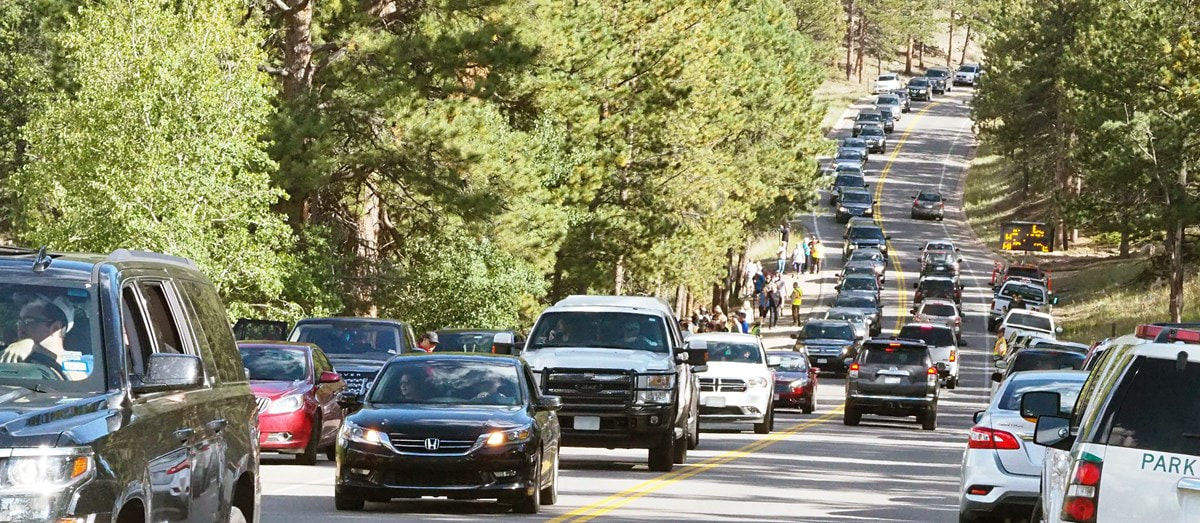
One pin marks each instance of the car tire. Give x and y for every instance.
(1036, 515)
(767, 424)
(531, 503)
(679, 457)
(809, 407)
(236, 516)
(549, 493)
(331, 452)
(951, 382)
(851, 417)
(347, 502)
(928, 419)
(662, 455)
(309, 456)
(693, 440)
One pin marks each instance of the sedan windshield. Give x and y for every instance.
(918, 82)
(736, 352)
(966, 69)
(1068, 391)
(936, 73)
(871, 131)
(857, 143)
(791, 361)
(866, 233)
(887, 100)
(849, 180)
(434, 381)
(351, 339)
(849, 316)
(849, 154)
(856, 197)
(854, 302)
(275, 363)
(828, 331)
(870, 117)
(866, 255)
(612, 330)
(860, 284)
(50, 337)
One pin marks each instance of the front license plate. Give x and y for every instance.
(822, 360)
(890, 381)
(587, 423)
(714, 401)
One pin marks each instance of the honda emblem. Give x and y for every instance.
(432, 443)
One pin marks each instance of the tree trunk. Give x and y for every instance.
(921, 55)
(908, 56)
(366, 243)
(1175, 246)
(966, 42)
(297, 49)
(1124, 249)
(950, 40)
(849, 39)
(862, 41)
(619, 275)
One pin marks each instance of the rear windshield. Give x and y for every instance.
(1030, 293)
(1068, 391)
(1046, 360)
(929, 197)
(938, 309)
(903, 355)
(837, 332)
(736, 352)
(942, 258)
(866, 233)
(1158, 408)
(856, 197)
(1025, 272)
(1031, 321)
(932, 336)
(939, 286)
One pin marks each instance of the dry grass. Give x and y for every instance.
(1096, 299)
(992, 196)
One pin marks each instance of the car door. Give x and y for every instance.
(327, 395)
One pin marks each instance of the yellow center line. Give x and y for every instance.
(902, 302)
(620, 499)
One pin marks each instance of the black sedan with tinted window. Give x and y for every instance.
(450, 425)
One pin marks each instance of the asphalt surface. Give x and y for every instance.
(812, 468)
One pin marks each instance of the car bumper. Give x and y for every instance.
(735, 407)
(828, 362)
(964, 80)
(380, 474)
(918, 96)
(928, 213)
(284, 432)
(635, 427)
(882, 404)
(1008, 494)
(793, 397)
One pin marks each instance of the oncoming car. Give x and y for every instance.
(737, 388)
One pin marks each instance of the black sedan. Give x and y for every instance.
(464, 426)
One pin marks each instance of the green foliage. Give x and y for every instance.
(158, 147)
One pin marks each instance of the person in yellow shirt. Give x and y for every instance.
(818, 254)
(797, 294)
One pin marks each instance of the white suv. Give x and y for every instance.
(1131, 448)
(737, 388)
(1036, 296)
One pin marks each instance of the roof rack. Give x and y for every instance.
(126, 255)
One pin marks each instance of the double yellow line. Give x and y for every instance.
(620, 499)
(902, 303)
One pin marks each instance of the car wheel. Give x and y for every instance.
(1036, 515)
(549, 494)
(347, 502)
(679, 457)
(694, 430)
(928, 419)
(662, 455)
(331, 452)
(309, 456)
(851, 416)
(952, 382)
(768, 423)
(811, 405)
(236, 516)
(531, 503)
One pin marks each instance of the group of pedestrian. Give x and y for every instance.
(717, 321)
(806, 257)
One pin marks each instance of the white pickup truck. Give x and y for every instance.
(1036, 297)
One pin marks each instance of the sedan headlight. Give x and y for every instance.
(798, 383)
(654, 396)
(286, 404)
(56, 469)
(656, 381)
(843, 209)
(757, 382)
(357, 434)
(506, 437)
(846, 350)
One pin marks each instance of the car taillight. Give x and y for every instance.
(853, 370)
(987, 438)
(1083, 493)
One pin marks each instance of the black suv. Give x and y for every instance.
(892, 377)
(939, 79)
(124, 395)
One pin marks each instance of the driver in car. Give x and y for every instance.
(41, 328)
(631, 336)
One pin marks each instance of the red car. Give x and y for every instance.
(795, 380)
(297, 392)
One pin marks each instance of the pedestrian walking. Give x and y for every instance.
(760, 281)
(775, 303)
(781, 258)
(818, 255)
(763, 303)
(798, 258)
(807, 243)
(797, 294)
(785, 232)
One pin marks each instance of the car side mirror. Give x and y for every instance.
(963, 343)
(169, 372)
(961, 286)
(888, 237)
(329, 376)
(350, 400)
(549, 403)
(1054, 300)
(977, 416)
(1035, 404)
(1001, 364)
(997, 377)
(1053, 432)
(503, 338)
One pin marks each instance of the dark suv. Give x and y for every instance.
(892, 377)
(124, 395)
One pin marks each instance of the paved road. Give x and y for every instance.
(813, 468)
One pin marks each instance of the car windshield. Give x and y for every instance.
(1030, 321)
(866, 255)
(433, 381)
(935, 73)
(902, 355)
(791, 361)
(918, 82)
(734, 351)
(1028, 292)
(1067, 389)
(940, 258)
(1025, 272)
(850, 154)
(849, 180)
(1046, 360)
(856, 197)
(866, 233)
(933, 336)
(858, 269)
(929, 197)
(852, 169)
(886, 77)
(828, 331)
(966, 68)
(860, 284)
(856, 143)
(886, 113)
(275, 363)
(465, 341)
(850, 316)
(854, 302)
(870, 117)
(50, 337)
(871, 131)
(938, 309)
(351, 339)
(942, 287)
(611, 330)
(887, 100)
(938, 246)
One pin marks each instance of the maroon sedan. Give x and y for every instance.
(297, 393)
(795, 380)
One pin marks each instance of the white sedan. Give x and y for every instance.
(736, 388)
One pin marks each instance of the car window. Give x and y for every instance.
(1157, 407)
(1025, 272)
(938, 309)
(902, 355)
(1045, 360)
(871, 131)
(1026, 291)
(465, 341)
(887, 100)
(275, 363)
(866, 255)
(935, 73)
(837, 332)
(845, 315)
(1068, 391)
(866, 233)
(162, 322)
(860, 284)
(918, 82)
(447, 382)
(929, 197)
(50, 336)
(321, 362)
(616, 330)
(931, 335)
(887, 77)
(1031, 321)
(791, 361)
(136, 335)
(849, 180)
(854, 302)
(351, 339)
(869, 117)
(736, 352)
(937, 286)
(856, 197)
(850, 154)
(214, 327)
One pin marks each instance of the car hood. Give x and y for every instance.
(593, 358)
(439, 421)
(730, 369)
(36, 419)
(856, 205)
(826, 342)
(867, 241)
(790, 375)
(277, 389)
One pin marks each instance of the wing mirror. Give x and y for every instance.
(917, 285)
(350, 400)
(696, 355)
(169, 372)
(549, 403)
(329, 376)
(977, 416)
(1040, 403)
